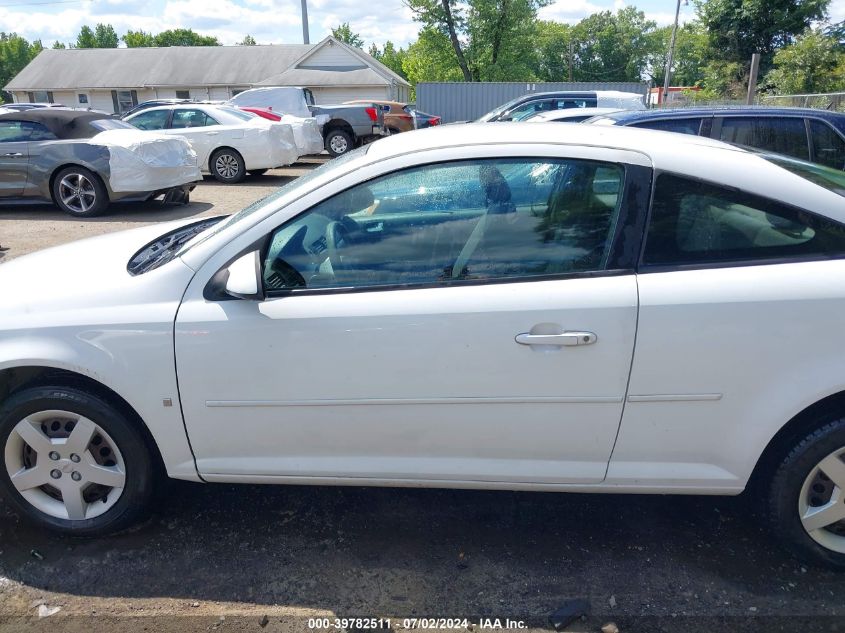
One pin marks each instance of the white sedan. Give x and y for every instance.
(228, 142)
(517, 307)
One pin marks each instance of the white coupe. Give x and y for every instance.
(228, 142)
(519, 307)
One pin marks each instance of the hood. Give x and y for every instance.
(83, 280)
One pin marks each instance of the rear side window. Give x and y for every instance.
(698, 223)
(828, 146)
(192, 118)
(680, 126)
(784, 135)
(17, 131)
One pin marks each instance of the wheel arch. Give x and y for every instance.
(339, 124)
(799, 426)
(18, 378)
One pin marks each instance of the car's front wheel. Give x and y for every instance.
(807, 497)
(80, 192)
(227, 166)
(74, 462)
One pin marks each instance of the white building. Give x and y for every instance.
(115, 79)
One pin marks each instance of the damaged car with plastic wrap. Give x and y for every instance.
(82, 161)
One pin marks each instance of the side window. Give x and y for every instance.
(14, 131)
(451, 222)
(694, 222)
(787, 135)
(191, 118)
(680, 126)
(39, 133)
(828, 146)
(568, 104)
(150, 120)
(529, 109)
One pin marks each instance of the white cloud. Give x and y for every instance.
(837, 10)
(570, 11)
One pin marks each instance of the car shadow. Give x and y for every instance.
(369, 551)
(153, 211)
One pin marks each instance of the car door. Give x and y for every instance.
(201, 129)
(421, 333)
(14, 157)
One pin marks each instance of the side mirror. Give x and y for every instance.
(244, 277)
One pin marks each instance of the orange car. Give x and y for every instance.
(400, 117)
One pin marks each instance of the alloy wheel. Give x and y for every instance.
(227, 166)
(65, 465)
(77, 193)
(821, 504)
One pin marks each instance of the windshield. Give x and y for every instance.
(494, 114)
(830, 179)
(283, 191)
(111, 124)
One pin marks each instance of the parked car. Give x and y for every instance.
(452, 339)
(154, 103)
(401, 117)
(81, 161)
(20, 107)
(532, 103)
(343, 127)
(805, 133)
(229, 143)
(572, 115)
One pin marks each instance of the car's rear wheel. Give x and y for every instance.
(80, 192)
(73, 462)
(807, 497)
(227, 166)
(338, 142)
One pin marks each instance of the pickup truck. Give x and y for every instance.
(344, 127)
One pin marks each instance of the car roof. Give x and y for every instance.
(65, 124)
(629, 116)
(687, 155)
(571, 112)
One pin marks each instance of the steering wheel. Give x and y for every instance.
(336, 234)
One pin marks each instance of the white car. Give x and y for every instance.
(517, 307)
(571, 115)
(228, 142)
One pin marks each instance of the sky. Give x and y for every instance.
(273, 21)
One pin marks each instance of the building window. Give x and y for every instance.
(83, 99)
(40, 96)
(123, 100)
(183, 94)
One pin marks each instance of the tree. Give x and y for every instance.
(691, 55)
(390, 57)
(814, 63)
(15, 53)
(738, 28)
(344, 34)
(138, 39)
(184, 37)
(86, 38)
(431, 58)
(248, 40)
(612, 47)
(551, 55)
(490, 39)
(58, 45)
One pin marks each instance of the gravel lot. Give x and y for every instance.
(252, 558)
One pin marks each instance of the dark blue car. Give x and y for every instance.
(814, 135)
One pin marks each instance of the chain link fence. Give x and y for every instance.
(833, 101)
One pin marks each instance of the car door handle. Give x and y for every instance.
(12, 155)
(212, 133)
(565, 339)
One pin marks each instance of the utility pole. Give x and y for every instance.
(671, 58)
(752, 79)
(305, 38)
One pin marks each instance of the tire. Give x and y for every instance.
(338, 142)
(258, 172)
(227, 166)
(79, 192)
(115, 446)
(812, 476)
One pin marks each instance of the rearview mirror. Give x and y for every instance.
(244, 277)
